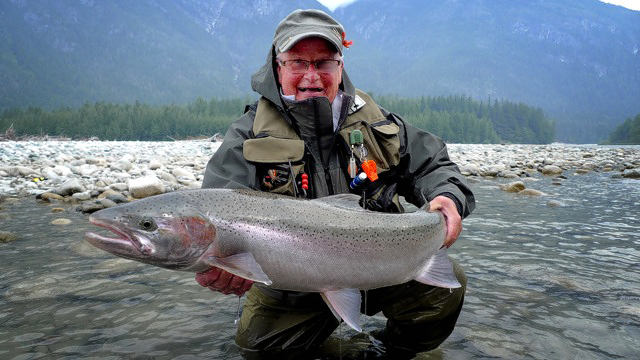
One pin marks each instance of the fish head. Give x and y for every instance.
(170, 234)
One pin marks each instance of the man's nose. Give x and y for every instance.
(311, 72)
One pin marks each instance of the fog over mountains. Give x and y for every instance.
(579, 60)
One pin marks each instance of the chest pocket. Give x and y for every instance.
(380, 140)
(278, 162)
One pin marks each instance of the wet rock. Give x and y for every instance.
(6, 237)
(47, 196)
(107, 203)
(82, 196)
(90, 207)
(555, 203)
(114, 196)
(551, 170)
(631, 174)
(57, 210)
(82, 248)
(531, 192)
(513, 187)
(118, 265)
(582, 171)
(70, 187)
(146, 186)
(61, 222)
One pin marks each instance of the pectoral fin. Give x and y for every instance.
(345, 305)
(243, 265)
(439, 272)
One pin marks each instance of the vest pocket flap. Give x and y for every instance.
(273, 150)
(387, 128)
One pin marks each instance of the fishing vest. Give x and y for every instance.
(278, 152)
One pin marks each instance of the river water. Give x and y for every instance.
(545, 282)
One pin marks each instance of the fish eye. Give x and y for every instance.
(148, 224)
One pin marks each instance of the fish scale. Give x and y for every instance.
(329, 245)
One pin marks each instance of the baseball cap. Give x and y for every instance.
(302, 24)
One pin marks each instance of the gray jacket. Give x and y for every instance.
(422, 168)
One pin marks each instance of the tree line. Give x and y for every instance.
(456, 119)
(460, 119)
(628, 133)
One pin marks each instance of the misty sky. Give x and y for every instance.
(630, 4)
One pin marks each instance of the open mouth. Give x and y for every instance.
(311, 90)
(123, 240)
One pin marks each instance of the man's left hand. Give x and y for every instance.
(453, 220)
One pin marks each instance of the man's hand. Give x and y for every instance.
(225, 282)
(453, 220)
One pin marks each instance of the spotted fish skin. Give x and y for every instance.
(328, 245)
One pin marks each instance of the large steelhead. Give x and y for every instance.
(329, 245)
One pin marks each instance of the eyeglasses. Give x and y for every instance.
(325, 66)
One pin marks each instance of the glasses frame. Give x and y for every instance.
(308, 63)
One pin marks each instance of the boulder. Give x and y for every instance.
(183, 173)
(107, 203)
(70, 187)
(47, 196)
(82, 196)
(513, 187)
(121, 165)
(61, 222)
(62, 170)
(6, 236)
(551, 170)
(155, 165)
(631, 174)
(90, 207)
(531, 192)
(555, 203)
(146, 186)
(119, 187)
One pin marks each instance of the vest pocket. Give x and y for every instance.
(380, 140)
(272, 157)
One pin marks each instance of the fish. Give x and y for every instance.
(329, 245)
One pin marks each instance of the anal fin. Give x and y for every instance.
(439, 272)
(345, 305)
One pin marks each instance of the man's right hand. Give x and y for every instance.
(225, 282)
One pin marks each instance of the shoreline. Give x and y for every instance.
(80, 171)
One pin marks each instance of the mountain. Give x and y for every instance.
(578, 60)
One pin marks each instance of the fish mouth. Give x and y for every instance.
(124, 244)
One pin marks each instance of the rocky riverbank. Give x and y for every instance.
(98, 174)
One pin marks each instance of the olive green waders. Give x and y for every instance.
(286, 325)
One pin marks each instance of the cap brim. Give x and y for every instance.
(294, 40)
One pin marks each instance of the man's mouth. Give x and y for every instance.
(305, 89)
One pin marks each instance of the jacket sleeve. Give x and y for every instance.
(426, 171)
(228, 167)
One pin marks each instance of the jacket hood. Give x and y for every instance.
(264, 81)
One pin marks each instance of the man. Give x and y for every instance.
(309, 134)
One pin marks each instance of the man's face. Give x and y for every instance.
(310, 83)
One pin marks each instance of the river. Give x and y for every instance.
(546, 281)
